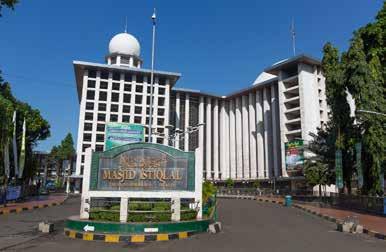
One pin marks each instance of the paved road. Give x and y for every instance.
(248, 226)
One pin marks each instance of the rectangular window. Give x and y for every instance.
(126, 109)
(160, 121)
(116, 76)
(161, 111)
(149, 90)
(100, 127)
(85, 146)
(102, 106)
(116, 86)
(160, 140)
(161, 90)
(138, 99)
(127, 88)
(101, 117)
(115, 97)
(139, 88)
(138, 110)
(91, 73)
(125, 118)
(102, 96)
(139, 79)
(137, 119)
(126, 98)
(82, 158)
(100, 138)
(161, 101)
(113, 118)
(87, 137)
(89, 106)
(103, 85)
(114, 108)
(91, 84)
(90, 95)
(128, 78)
(87, 127)
(105, 75)
(161, 81)
(88, 116)
(148, 100)
(99, 147)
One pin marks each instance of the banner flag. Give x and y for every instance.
(358, 156)
(22, 152)
(338, 169)
(14, 145)
(6, 159)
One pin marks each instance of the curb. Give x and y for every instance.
(326, 217)
(32, 207)
(339, 222)
(135, 238)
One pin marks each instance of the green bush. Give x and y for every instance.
(104, 216)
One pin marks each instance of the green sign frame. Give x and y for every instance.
(118, 134)
(96, 156)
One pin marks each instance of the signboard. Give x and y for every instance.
(118, 134)
(13, 192)
(338, 169)
(143, 169)
(358, 157)
(294, 157)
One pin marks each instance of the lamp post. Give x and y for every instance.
(178, 132)
(153, 18)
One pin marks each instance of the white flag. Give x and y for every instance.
(22, 152)
(14, 145)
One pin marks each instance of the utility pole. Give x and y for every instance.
(153, 18)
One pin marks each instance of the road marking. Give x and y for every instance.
(182, 235)
(138, 238)
(88, 236)
(112, 238)
(162, 237)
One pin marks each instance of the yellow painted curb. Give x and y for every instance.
(138, 238)
(182, 235)
(162, 237)
(72, 234)
(88, 236)
(112, 238)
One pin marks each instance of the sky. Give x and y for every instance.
(218, 46)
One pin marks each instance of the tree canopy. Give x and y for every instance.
(8, 3)
(361, 72)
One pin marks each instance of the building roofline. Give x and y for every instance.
(80, 66)
(275, 68)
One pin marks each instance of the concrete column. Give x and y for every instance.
(201, 113)
(198, 181)
(176, 209)
(131, 62)
(275, 137)
(85, 197)
(267, 133)
(118, 60)
(123, 209)
(82, 111)
(215, 141)
(239, 142)
(252, 135)
(260, 134)
(177, 126)
(167, 111)
(226, 136)
(282, 120)
(232, 139)
(208, 127)
(186, 136)
(245, 137)
(223, 158)
(132, 99)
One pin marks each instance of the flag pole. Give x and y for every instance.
(153, 17)
(293, 36)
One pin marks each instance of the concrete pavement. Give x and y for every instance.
(247, 226)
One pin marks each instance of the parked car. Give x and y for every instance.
(50, 186)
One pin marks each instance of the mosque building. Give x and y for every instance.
(242, 134)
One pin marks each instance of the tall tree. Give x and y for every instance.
(8, 3)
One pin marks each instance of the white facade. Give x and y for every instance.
(244, 133)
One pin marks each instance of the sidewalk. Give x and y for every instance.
(34, 203)
(369, 222)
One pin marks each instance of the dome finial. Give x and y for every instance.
(126, 25)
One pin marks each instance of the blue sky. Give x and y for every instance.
(219, 46)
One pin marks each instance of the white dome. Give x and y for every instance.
(124, 43)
